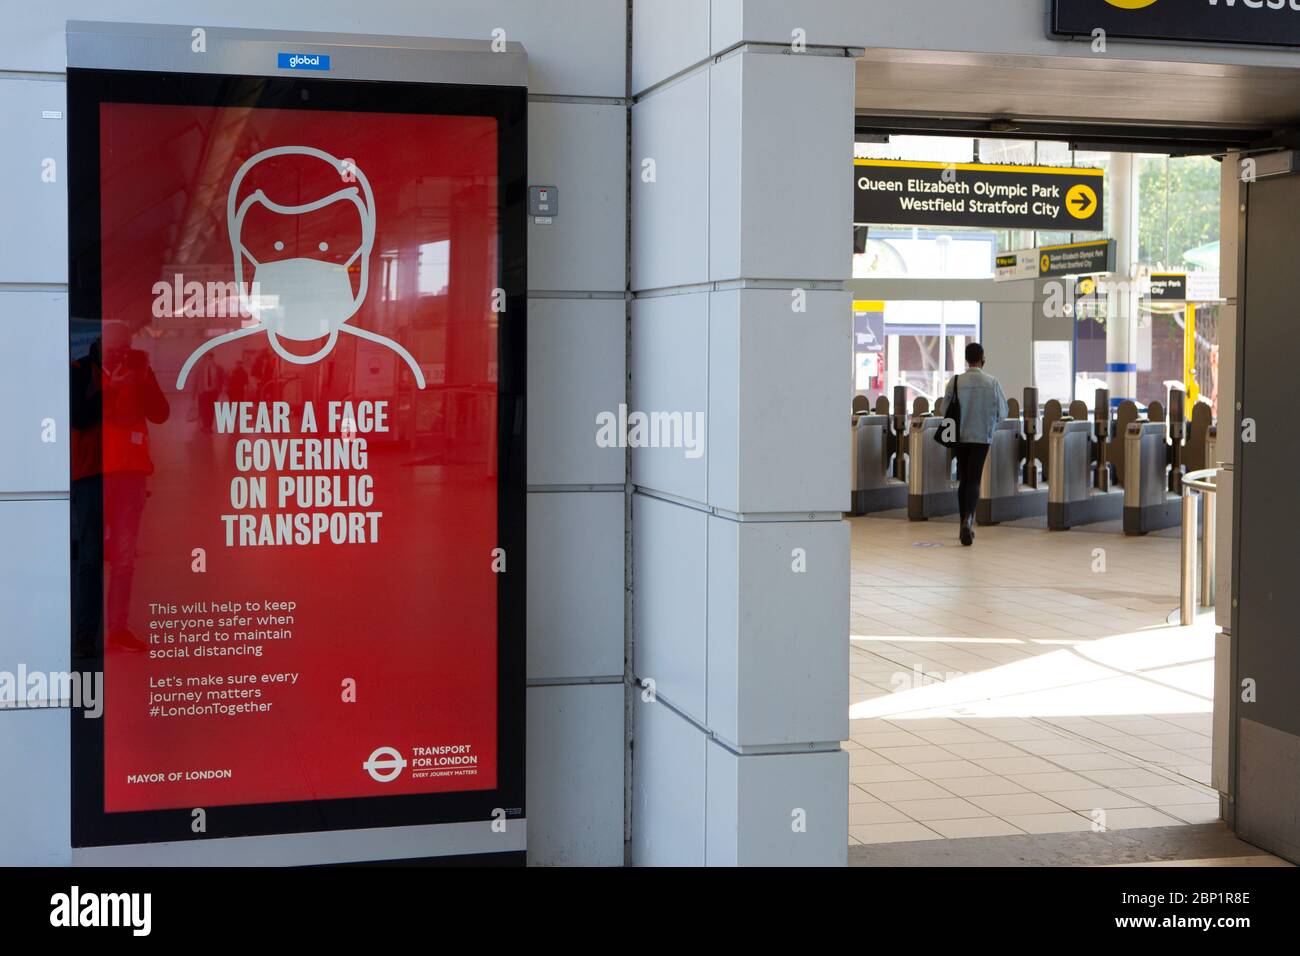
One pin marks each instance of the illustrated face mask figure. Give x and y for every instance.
(301, 299)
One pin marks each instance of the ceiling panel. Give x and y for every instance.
(1078, 89)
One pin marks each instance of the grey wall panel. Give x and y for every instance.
(33, 390)
(779, 394)
(670, 567)
(34, 224)
(575, 47)
(34, 792)
(758, 104)
(581, 150)
(667, 36)
(668, 787)
(1264, 474)
(670, 373)
(575, 775)
(1268, 798)
(577, 355)
(754, 803)
(670, 215)
(1007, 334)
(822, 22)
(575, 584)
(777, 658)
(34, 586)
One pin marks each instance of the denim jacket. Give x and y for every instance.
(982, 404)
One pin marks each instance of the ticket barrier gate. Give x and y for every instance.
(1082, 488)
(1157, 455)
(874, 486)
(1012, 485)
(931, 489)
(879, 457)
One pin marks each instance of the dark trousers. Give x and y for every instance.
(970, 468)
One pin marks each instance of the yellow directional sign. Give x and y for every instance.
(1081, 201)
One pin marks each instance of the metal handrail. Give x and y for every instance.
(1197, 481)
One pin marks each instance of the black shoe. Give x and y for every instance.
(967, 536)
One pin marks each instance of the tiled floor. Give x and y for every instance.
(1029, 684)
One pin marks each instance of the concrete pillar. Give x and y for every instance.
(1121, 324)
(741, 240)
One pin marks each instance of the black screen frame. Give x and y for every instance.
(87, 89)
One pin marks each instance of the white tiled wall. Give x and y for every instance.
(33, 390)
(34, 226)
(577, 51)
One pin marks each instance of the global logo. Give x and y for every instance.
(303, 61)
(384, 764)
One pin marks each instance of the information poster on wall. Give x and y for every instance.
(297, 498)
(1054, 370)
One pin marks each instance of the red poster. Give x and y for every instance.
(296, 441)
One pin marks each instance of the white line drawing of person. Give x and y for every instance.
(301, 299)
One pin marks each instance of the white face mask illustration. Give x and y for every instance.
(301, 299)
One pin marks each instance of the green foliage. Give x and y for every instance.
(1188, 219)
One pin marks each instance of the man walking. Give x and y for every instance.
(982, 406)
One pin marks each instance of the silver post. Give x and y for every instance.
(1208, 532)
(1187, 578)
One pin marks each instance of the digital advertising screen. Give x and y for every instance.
(296, 373)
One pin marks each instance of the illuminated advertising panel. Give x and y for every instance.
(297, 333)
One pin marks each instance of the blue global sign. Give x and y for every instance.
(303, 61)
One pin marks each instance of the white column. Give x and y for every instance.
(740, 244)
(1121, 324)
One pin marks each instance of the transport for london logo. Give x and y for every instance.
(384, 764)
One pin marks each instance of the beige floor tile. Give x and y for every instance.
(862, 757)
(1132, 818)
(948, 808)
(879, 774)
(974, 827)
(1136, 777)
(1169, 794)
(1014, 734)
(1007, 804)
(1047, 782)
(981, 786)
(1051, 822)
(864, 813)
(1193, 813)
(1053, 747)
(953, 735)
(1093, 799)
(1094, 761)
(994, 748)
(892, 791)
(892, 832)
(858, 795)
(945, 769)
(887, 738)
(1025, 764)
(925, 754)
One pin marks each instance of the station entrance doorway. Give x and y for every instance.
(1022, 690)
